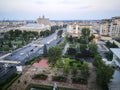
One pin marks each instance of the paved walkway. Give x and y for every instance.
(26, 79)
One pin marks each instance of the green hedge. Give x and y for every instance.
(59, 78)
(40, 76)
(9, 81)
(79, 80)
(45, 87)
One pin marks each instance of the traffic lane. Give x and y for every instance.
(20, 53)
(48, 39)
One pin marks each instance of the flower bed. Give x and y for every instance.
(79, 80)
(59, 78)
(40, 76)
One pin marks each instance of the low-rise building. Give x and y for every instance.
(35, 27)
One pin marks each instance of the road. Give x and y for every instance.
(33, 49)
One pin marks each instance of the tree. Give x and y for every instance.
(91, 37)
(45, 50)
(85, 70)
(66, 68)
(70, 39)
(74, 69)
(93, 48)
(59, 33)
(86, 33)
(104, 74)
(83, 47)
(97, 61)
(10, 44)
(54, 54)
(71, 51)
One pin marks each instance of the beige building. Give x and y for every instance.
(34, 27)
(75, 29)
(105, 27)
(43, 20)
(115, 27)
(96, 25)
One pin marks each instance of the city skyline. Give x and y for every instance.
(59, 9)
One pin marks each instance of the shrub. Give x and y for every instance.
(59, 78)
(40, 76)
(79, 80)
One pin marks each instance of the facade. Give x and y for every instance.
(110, 27)
(115, 27)
(96, 25)
(6, 26)
(105, 27)
(43, 20)
(34, 27)
(74, 29)
(115, 81)
(116, 56)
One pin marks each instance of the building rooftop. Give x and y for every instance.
(34, 26)
(116, 51)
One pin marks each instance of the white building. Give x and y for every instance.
(115, 27)
(115, 81)
(116, 56)
(105, 27)
(75, 29)
(34, 27)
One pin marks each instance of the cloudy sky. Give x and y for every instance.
(59, 9)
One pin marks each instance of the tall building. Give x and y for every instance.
(43, 20)
(105, 27)
(115, 28)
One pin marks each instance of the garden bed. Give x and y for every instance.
(40, 77)
(79, 81)
(59, 78)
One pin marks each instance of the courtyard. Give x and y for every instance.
(29, 71)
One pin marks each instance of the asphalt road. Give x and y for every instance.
(33, 49)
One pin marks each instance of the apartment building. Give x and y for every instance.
(115, 27)
(74, 29)
(105, 27)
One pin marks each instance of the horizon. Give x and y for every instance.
(59, 9)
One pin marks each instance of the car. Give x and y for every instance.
(31, 50)
(21, 53)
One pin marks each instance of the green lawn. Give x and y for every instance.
(17, 42)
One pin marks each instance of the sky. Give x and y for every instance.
(59, 9)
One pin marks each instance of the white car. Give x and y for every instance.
(21, 53)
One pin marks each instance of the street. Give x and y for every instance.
(33, 49)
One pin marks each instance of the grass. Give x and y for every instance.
(17, 42)
(45, 87)
(9, 81)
